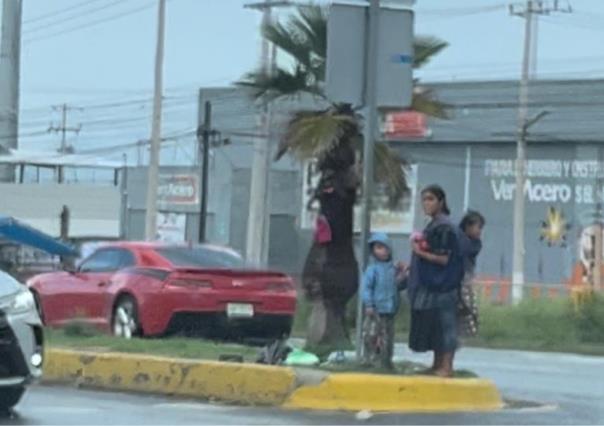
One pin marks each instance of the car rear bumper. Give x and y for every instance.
(158, 314)
(21, 342)
(218, 325)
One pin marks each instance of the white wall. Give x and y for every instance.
(95, 210)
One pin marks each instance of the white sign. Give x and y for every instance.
(171, 227)
(537, 189)
(397, 220)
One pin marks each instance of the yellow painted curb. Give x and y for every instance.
(356, 392)
(241, 383)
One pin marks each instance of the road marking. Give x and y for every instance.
(194, 406)
(547, 408)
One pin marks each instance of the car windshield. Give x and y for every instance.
(8, 285)
(203, 257)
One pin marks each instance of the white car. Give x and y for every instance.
(21, 341)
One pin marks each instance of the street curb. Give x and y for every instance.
(231, 382)
(253, 384)
(380, 393)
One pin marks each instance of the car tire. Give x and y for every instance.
(39, 306)
(283, 327)
(9, 397)
(125, 323)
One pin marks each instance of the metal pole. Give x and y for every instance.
(260, 170)
(205, 147)
(370, 130)
(124, 199)
(10, 54)
(519, 202)
(153, 178)
(467, 179)
(597, 284)
(63, 128)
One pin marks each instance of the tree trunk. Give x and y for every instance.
(331, 276)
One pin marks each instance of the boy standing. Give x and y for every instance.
(382, 282)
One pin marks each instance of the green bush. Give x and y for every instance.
(589, 320)
(548, 322)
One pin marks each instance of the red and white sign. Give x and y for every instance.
(178, 189)
(405, 125)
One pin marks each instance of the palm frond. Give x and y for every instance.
(290, 42)
(426, 48)
(313, 134)
(282, 83)
(390, 170)
(424, 101)
(311, 25)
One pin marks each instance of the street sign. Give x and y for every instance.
(346, 50)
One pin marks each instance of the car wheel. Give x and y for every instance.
(9, 397)
(38, 306)
(277, 329)
(125, 318)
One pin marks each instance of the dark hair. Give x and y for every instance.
(472, 217)
(440, 195)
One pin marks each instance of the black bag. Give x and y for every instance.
(275, 353)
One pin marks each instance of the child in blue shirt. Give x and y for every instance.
(382, 282)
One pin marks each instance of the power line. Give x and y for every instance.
(59, 12)
(92, 23)
(72, 17)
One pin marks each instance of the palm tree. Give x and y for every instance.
(332, 137)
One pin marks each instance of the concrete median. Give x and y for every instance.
(252, 384)
(230, 382)
(356, 392)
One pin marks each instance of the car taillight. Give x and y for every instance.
(180, 282)
(280, 287)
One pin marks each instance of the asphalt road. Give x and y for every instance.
(570, 389)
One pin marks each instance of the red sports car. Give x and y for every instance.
(153, 289)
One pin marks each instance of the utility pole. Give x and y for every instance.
(528, 12)
(369, 136)
(203, 136)
(153, 173)
(259, 211)
(10, 59)
(597, 273)
(63, 128)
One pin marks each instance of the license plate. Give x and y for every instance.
(240, 310)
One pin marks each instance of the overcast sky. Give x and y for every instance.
(213, 42)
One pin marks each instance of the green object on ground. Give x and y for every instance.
(303, 358)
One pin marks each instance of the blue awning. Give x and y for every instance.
(13, 230)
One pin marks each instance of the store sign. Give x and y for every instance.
(405, 125)
(178, 189)
(384, 218)
(548, 181)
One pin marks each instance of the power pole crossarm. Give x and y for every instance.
(63, 128)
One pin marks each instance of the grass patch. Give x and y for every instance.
(548, 325)
(171, 347)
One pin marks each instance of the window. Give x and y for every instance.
(202, 257)
(108, 260)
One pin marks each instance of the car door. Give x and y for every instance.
(87, 297)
